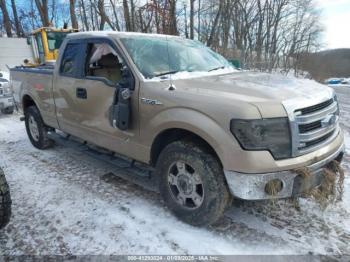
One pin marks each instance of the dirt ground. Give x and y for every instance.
(67, 203)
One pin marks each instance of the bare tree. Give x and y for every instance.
(132, 21)
(199, 19)
(43, 8)
(261, 34)
(192, 19)
(104, 16)
(73, 17)
(116, 17)
(18, 25)
(172, 18)
(126, 15)
(213, 30)
(84, 15)
(6, 18)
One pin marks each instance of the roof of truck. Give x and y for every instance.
(114, 33)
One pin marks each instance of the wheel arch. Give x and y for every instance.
(170, 135)
(27, 101)
(178, 123)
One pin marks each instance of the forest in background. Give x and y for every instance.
(261, 34)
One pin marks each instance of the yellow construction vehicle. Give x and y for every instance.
(45, 43)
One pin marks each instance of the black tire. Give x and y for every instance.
(5, 201)
(8, 110)
(41, 139)
(213, 191)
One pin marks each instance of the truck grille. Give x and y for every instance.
(315, 108)
(315, 126)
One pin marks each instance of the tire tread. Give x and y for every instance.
(5, 201)
(219, 197)
(44, 141)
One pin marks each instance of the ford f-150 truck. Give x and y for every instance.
(210, 132)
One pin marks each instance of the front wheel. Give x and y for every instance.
(5, 201)
(36, 129)
(192, 183)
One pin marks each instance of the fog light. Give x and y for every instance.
(273, 187)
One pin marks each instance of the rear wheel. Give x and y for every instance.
(5, 201)
(192, 183)
(36, 129)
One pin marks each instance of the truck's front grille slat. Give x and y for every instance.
(318, 140)
(316, 133)
(315, 108)
(309, 127)
(316, 115)
(316, 125)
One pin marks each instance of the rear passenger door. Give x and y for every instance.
(65, 82)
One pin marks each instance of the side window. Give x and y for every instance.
(40, 42)
(70, 56)
(104, 62)
(40, 48)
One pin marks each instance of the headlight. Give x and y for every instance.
(264, 134)
(7, 90)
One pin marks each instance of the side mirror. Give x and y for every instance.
(121, 109)
(127, 79)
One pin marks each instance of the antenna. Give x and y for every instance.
(171, 86)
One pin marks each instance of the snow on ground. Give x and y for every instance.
(65, 202)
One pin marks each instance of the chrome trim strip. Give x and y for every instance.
(328, 159)
(319, 115)
(318, 146)
(313, 135)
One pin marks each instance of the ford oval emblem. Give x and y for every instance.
(329, 120)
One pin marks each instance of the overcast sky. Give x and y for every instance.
(336, 19)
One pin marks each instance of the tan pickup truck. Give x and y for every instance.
(211, 132)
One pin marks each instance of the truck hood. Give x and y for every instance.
(260, 89)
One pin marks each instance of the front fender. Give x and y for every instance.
(219, 138)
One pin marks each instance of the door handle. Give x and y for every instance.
(81, 93)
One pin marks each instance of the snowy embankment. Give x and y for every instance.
(65, 202)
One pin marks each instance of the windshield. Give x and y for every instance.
(3, 80)
(157, 56)
(55, 39)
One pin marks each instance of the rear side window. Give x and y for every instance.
(69, 60)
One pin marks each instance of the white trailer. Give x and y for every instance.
(13, 51)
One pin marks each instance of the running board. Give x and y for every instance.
(123, 167)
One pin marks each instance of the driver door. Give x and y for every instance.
(103, 71)
(94, 95)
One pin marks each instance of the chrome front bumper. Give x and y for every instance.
(252, 186)
(6, 101)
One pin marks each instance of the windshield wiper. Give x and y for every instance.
(216, 68)
(167, 73)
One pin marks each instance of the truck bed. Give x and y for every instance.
(36, 83)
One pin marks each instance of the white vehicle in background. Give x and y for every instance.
(6, 97)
